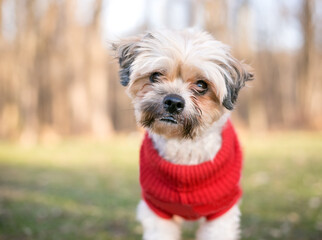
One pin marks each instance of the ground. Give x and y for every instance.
(83, 189)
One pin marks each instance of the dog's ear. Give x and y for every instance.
(126, 51)
(238, 74)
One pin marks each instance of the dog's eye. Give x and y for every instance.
(202, 87)
(154, 76)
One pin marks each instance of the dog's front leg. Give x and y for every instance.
(154, 227)
(225, 227)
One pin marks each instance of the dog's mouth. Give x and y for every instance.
(169, 119)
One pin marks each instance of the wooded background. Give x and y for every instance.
(58, 79)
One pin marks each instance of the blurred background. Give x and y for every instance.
(58, 77)
(69, 142)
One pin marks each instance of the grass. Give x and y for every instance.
(81, 189)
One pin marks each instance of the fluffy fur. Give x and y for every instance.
(158, 64)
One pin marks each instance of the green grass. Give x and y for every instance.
(89, 190)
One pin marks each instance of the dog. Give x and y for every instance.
(184, 85)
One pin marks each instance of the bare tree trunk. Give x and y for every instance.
(305, 63)
(1, 2)
(97, 75)
(216, 18)
(26, 51)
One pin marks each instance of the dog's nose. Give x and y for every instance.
(173, 103)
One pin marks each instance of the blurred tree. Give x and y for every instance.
(216, 18)
(1, 2)
(305, 62)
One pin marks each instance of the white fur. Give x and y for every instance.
(225, 227)
(190, 47)
(156, 228)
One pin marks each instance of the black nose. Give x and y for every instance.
(173, 103)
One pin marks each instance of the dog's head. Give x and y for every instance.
(180, 82)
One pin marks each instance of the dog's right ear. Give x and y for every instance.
(126, 51)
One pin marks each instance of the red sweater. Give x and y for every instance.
(206, 190)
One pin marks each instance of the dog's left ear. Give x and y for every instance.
(126, 51)
(238, 75)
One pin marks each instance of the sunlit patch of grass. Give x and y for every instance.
(82, 189)
(283, 187)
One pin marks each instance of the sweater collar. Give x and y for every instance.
(184, 175)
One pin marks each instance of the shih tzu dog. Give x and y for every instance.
(183, 85)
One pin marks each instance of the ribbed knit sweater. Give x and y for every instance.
(206, 190)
